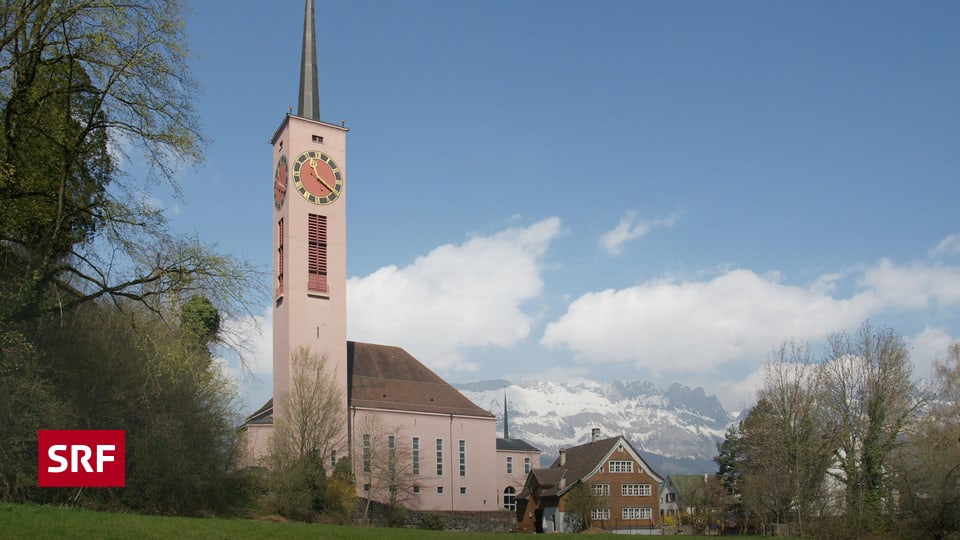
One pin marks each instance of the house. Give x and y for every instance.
(692, 501)
(626, 491)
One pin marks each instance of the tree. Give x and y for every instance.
(385, 465)
(308, 433)
(867, 399)
(926, 467)
(580, 502)
(81, 82)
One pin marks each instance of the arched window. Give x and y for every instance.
(510, 499)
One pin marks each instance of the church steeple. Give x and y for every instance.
(309, 104)
(506, 421)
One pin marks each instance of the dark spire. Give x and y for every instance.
(309, 106)
(506, 422)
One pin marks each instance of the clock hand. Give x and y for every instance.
(313, 165)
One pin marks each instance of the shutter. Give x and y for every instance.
(317, 255)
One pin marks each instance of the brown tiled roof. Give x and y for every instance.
(583, 459)
(386, 377)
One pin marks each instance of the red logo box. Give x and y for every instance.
(82, 458)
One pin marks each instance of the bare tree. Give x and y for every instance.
(384, 465)
(868, 397)
(314, 416)
(305, 436)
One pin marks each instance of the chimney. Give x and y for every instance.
(563, 457)
(596, 434)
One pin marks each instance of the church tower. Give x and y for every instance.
(309, 235)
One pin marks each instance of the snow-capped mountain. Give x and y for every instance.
(676, 428)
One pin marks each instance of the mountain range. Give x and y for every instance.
(676, 429)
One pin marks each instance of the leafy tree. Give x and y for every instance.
(81, 82)
(580, 502)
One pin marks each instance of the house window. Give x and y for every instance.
(642, 490)
(440, 458)
(671, 497)
(416, 457)
(600, 513)
(317, 254)
(621, 466)
(333, 459)
(279, 290)
(366, 452)
(526, 465)
(509, 465)
(510, 499)
(463, 458)
(601, 490)
(637, 513)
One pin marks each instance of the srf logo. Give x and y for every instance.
(82, 458)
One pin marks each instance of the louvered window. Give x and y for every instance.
(317, 256)
(279, 290)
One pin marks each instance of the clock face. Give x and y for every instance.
(317, 177)
(280, 182)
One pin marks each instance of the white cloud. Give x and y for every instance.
(691, 327)
(629, 229)
(456, 296)
(929, 345)
(948, 246)
(666, 326)
(248, 357)
(914, 286)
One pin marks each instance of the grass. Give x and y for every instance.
(33, 521)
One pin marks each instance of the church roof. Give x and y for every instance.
(516, 445)
(387, 377)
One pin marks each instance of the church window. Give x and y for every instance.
(463, 457)
(416, 456)
(366, 452)
(318, 139)
(279, 258)
(416, 488)
(439, 490)
(509, 465)
(463, 490)
(439, 457)
(333, 459)
(510, 498)
(391, 454)
(317, 254)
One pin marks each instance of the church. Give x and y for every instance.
(451, 456)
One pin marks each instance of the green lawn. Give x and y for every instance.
(32, 521)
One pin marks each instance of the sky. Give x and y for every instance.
(629, 190)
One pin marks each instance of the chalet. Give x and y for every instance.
(625, 489)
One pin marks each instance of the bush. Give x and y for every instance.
(432, 521)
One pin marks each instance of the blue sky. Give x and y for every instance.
(637, 190)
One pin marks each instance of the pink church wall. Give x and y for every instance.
(479, 434)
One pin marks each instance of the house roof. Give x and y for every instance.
(516, 445)
(387, 377)
(688, 485)
(580, 462)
